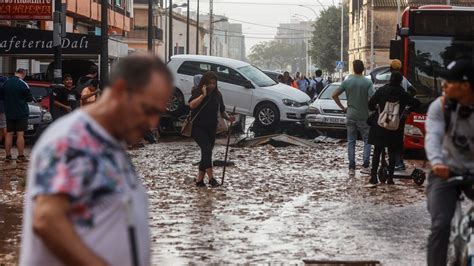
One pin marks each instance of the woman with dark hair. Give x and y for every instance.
(382, 137)
(205, 103)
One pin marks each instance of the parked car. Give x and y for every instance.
(41, 92)
(242, 85)
(38, 121)
(324, 114)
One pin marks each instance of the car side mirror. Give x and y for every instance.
(248, 84)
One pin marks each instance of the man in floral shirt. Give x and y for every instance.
(83, 194)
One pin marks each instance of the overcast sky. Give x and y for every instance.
(265, 12)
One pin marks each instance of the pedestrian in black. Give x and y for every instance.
(16, 95)
(66, 98)
(381, 137)
(205, 103)
(85, 81)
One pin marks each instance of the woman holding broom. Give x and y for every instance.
(205, 103)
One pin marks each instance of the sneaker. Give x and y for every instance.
(373, 180)
(22, 159)
(400, 167)
(213, 182)
(366, 170)
(8, 159)
(352, 172)
(200, 184)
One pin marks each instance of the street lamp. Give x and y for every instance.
(310, 8)
(302, 16)
(211, 32)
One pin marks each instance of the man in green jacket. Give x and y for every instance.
(16, 95)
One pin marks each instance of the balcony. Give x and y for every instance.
(91, 10)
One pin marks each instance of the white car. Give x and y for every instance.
(242, 85)
(324, 114)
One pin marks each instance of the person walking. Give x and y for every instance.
(302, 83)
(449, 146)
(358, 90)
(16, 95)
(382, 137)
(65, 98)
(90, 93)
(85, 204)
(205, 103)
(288, 80)
(318, 83)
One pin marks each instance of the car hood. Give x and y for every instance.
(327, 104)
(288, 92)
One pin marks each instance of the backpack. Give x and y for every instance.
(319, 86)
(389, 118)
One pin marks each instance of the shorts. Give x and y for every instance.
(3, 120)
(17, 125)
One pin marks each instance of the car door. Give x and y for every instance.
(230, 84)
(185, 76)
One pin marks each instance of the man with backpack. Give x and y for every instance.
(449, 146)
(318, 83)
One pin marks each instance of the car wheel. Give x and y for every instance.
(267, 115)
(176, 105)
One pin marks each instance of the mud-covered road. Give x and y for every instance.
(278, 205)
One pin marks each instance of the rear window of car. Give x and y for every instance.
(327, 93)
(192, 68)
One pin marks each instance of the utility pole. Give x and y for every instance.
(211, 25)
(372, 19)
(57, 43)
(170, 31)
(150, 25)
(197, 28)
(187, 28)
(104, 53)
(342, 36)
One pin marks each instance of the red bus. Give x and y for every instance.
(430, 38)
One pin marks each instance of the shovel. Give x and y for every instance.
(227, 147)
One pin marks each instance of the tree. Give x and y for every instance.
(326, 40)
(274, 54)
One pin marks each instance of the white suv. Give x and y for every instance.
(242, 85)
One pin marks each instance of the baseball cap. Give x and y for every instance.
(396, 64)
(459, 70)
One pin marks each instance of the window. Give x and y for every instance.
(191, 68)
(257, 76)
(228, 75)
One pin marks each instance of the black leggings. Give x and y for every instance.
(205, 137)
(376, 160)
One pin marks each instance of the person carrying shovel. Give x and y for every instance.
(206, 104)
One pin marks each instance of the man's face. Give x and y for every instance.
(140, 111)
(456, 90)
(68, 82)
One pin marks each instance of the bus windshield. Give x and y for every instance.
(427, 55)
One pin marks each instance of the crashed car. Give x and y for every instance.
(38, 121)
(324, 114)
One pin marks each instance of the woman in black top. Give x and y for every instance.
(381, 137)
(205, 102)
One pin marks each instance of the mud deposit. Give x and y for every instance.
(278, 205)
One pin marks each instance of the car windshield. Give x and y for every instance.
(327, 93)
(37, 92)
(256, 76)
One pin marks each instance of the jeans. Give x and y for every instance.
(352, 128)
(376, 160)
(442, 198)
(205, 137)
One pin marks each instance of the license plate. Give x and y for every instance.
(31, 127)
(334, 120)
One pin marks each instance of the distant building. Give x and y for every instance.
(385, 24)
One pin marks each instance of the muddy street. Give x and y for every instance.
(278, 205)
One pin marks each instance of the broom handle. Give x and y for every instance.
(227, 147)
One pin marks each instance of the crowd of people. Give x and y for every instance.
(15, 95)
(311, 86)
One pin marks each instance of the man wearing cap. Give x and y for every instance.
(449, 146)
(16, 95)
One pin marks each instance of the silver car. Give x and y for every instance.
(324, 114)
(38, 120)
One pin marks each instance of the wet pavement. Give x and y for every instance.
(278, 205)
